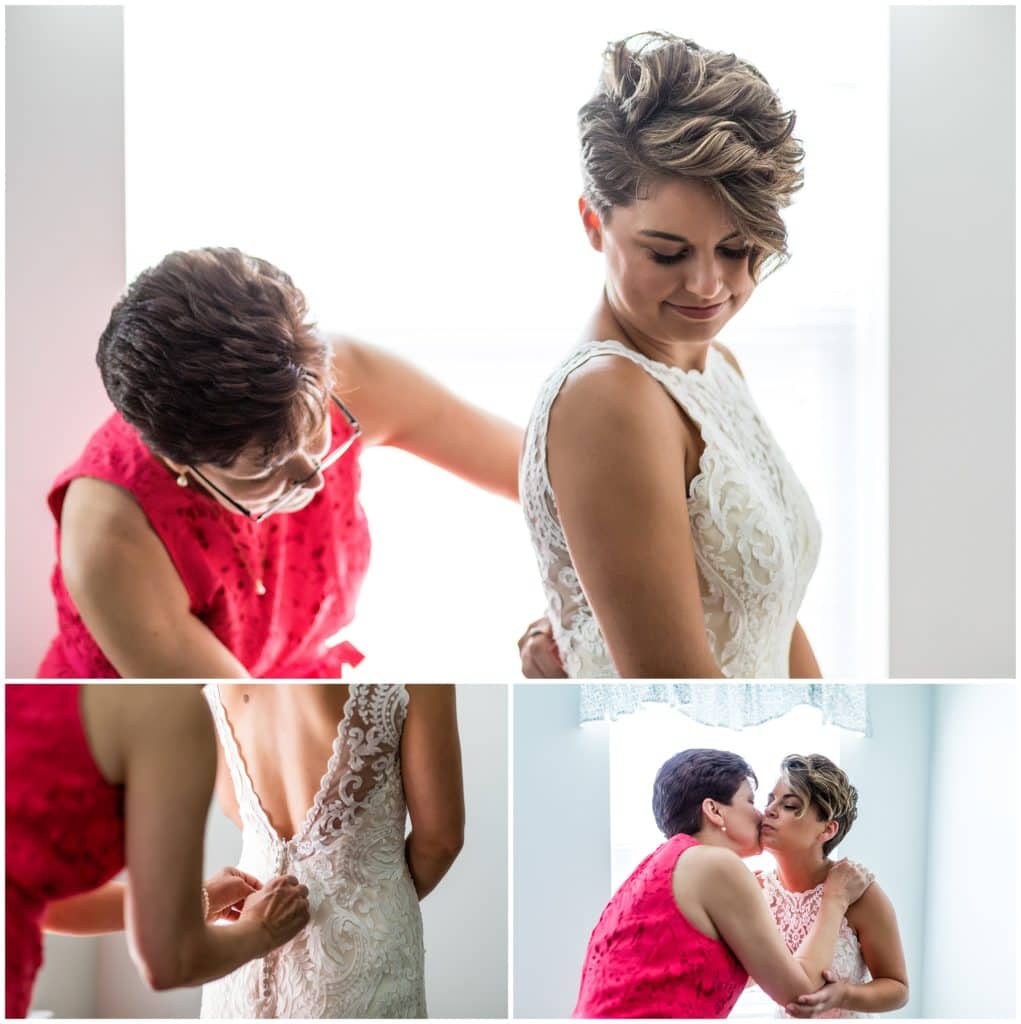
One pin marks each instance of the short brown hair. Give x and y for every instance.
(824, 786)
(690, 777)
(209, 353)
(666, 107)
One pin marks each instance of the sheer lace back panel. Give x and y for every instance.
(362, 953)
(755, 534)
(795, 913)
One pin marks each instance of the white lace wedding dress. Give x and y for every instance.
(361, 954)
(794, 913)
(756, 536)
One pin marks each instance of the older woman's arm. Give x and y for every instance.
(165, 749)
(875, 921)
(619, 450)
(128, 592)
(433, 785)
(732, 899)
(400, 406)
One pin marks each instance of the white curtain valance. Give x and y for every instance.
(733, 705)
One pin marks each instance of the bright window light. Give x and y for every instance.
(415, 171)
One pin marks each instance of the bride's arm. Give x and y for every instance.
(618, 450)
(875, 921)
(399, 405)
(802, 660)
(433, 785)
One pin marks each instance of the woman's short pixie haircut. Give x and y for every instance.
(208, 354)
(690, 777)
(666, 108)
(824, 786)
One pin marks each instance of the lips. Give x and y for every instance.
(697, 312)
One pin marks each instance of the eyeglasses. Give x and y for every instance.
(297, 485)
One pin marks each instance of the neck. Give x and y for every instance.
(801, 872)
(609, 323)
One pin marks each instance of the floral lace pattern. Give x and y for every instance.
(755, 533)
(362, 953)
(794, 913)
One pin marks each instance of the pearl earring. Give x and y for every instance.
(723, 828)
(182, 479)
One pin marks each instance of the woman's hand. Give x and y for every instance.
(227, 891)
(279, 908)
(846, 882)
(540, 658)
(815, 1004)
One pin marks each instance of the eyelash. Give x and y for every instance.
(730, 254)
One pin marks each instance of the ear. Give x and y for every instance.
(711, 812)
(829, 831)
(592, 223)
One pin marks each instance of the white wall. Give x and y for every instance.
(890, 769)
(65, 268)
(561, 844)
(465, 918)
(952, 359)
(971, 929)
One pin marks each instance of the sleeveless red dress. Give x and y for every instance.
(65, 822)
(645, 959)
(311, 563)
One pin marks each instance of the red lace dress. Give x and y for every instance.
(65, 822)
(645, 959)
(311, 563)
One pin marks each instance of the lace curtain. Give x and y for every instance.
(733, 705)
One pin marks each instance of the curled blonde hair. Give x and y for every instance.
(821, 784)
(667, 107)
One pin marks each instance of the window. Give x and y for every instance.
(641, 742)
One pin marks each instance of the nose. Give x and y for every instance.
(306, 473)
(703, 278)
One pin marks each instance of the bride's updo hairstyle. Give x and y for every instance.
(666, 107)
(824, 787)
(690, 777)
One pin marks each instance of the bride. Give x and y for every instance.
(672, 536)
(320, 777)
(811, 808)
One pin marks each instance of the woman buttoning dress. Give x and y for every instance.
(811, 808)
(388, 751)
(672, 536)
(212, 526)
(87, 794)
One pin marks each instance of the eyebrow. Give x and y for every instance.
(667, 236)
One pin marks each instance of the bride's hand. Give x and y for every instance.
(280, 908)
(540, 658)
(815, 1004)
(846, 882)
(227, 891)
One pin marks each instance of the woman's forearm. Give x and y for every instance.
(429, 860)
(209, 953)
(877, 996)
(92, 913)
(803, 663)
(815, 954)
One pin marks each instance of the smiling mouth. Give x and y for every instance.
(697, 312)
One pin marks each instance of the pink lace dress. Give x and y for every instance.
(310, 563)
(794, 913)
(645, 959)
(65, 822)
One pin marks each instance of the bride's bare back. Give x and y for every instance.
(285, 732)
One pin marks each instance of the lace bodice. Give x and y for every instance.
(755, 534)
(361, 954)
(794, 913)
